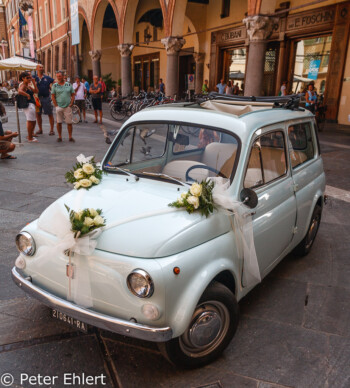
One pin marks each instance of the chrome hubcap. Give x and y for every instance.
(209, 326)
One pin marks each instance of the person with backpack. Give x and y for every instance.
(62, 94)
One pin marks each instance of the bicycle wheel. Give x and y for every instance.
(75, 114)
(118, 114)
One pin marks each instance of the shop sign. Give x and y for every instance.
(311, 19)
(233, 35)
(314, 67)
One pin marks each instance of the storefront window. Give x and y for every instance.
(311, 63)
(146, 71)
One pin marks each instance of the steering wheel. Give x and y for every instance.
(188, 178)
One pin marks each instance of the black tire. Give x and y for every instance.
(218, 306)
(304, 247)
(119, 114)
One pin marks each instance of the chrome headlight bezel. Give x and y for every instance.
(143, 274)
(31, 249)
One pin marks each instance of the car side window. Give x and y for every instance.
(301, 145)
(267, 160)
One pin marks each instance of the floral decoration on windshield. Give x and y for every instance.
(198, 198)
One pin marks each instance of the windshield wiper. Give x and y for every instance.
(160, 175)
(122, 170)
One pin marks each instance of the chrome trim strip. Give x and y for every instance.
(106, 322)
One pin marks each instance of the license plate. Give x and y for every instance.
(82, 326)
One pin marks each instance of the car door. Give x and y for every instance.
(306, 167)
(268, 174)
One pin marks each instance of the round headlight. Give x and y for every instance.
(140, 283)
(25, 243)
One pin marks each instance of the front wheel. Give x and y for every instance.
(213, 324)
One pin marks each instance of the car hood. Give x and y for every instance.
(139, 221)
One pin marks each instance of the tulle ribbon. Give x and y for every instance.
(242, 227)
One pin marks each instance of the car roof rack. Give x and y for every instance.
(286, 102)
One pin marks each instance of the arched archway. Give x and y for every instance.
(84, 48)
(105, 39)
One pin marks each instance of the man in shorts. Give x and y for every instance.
(62, 94)
(96, 97)
(80, 95)
(44, 82)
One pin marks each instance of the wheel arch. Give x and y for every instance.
(223, 271)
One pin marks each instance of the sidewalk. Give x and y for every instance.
(294, 329)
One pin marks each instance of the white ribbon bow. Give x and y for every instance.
(243, 229)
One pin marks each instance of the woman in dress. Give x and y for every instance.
(27, 89)
(311, 98)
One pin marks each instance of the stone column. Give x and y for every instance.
(76, 65)
(125, 52)
(173, 46)
(280, 68)
(199, 58)
(96, 62)
(259, 29)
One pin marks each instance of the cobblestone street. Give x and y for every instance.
(294, 329)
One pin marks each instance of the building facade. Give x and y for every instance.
(256, 44)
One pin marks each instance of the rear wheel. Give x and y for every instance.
(305, 245)
(118, 112)
(213, 324)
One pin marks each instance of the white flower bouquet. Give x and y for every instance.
(85, 221)
(85, 174)
(198, 198)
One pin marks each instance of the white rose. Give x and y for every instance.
(88, 221)
(77, 185)
(183, 195)
(85, 183)
(98, 220)
(180, 201)
(196, 189)
(192, 200)
(88, 168)
(93, 212)
(78, 174)
(78, 215)
(95, 180)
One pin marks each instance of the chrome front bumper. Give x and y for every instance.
(130, 329)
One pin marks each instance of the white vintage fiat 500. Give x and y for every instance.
(164, 274)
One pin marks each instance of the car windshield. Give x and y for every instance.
(174, 152)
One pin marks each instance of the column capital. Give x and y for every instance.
(199, 57)
(125, 49)
(95, 55)
(173, 44)
(259, 27)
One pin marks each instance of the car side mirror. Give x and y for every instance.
(249, 198)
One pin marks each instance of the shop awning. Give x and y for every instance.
(298, 78)
(236, 75)
(17, 63)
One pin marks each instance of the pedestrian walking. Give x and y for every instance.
(205, 87)
(161, 86)
(221, 86)
(87, 85)
(62, 94)
(311, 98)
(80, 95)
(96, 96)
(27, 89)
(6, 145)
(283, 91)
(44, 83)
(104, 88)
(229, 88)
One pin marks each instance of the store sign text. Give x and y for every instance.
(232, 35)
(311, 19)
